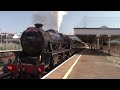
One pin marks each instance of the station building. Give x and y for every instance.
(97, 36)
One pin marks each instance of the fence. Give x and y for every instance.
(114, 49)
(10, 46)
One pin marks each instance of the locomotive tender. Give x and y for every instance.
(40, 50)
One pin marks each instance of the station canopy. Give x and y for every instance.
(89, 34)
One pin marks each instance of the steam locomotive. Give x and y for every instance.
(40, 50)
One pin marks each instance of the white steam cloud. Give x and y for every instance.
(50, 19)
(60, 18)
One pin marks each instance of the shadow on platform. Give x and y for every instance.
(95, 53)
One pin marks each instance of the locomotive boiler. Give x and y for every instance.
(34, 40)
(38, 43)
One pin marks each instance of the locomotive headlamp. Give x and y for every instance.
(10, 68)
(39, 69)
(9, 61)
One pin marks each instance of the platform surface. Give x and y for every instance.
(89, 65)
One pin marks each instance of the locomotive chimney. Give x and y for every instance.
(38, 25)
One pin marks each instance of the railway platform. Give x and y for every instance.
(87, 65)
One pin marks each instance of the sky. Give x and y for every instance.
(18, 21)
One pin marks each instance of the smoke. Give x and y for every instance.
(46, 18)
(50, 19)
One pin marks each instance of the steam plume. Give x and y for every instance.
(60, 18)
(50, 19)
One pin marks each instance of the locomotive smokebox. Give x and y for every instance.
(38, 25)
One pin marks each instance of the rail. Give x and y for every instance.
(5, 76)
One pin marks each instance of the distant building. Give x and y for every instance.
(104, 27)
(15, 36)
(4, 36)
(9, 38)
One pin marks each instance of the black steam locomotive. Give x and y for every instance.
(40, 50)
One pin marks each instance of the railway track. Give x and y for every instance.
(5, 76)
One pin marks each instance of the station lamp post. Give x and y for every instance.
(1, 36)
(6, 40)
(98, 36)
(109, 36)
